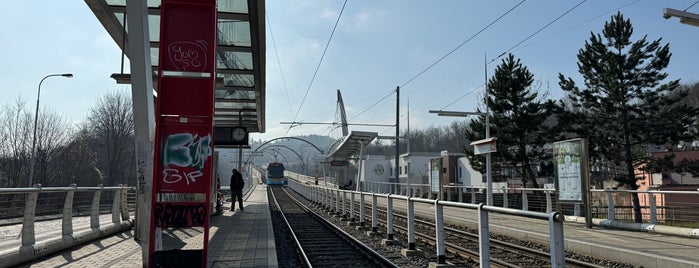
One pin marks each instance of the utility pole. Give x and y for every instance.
(488, 170)
(397, 134)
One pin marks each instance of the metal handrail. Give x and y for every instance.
(331, 198)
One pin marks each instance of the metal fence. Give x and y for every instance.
(63, 207)
(38, 221)
(672, 208)
(342, 202)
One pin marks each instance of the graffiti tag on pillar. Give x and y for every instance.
(188, 56)
(174, 215)
(171, 175)
(184, 156)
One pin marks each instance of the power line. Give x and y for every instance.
(462, 44)
(276, 52)
(318, 66)
(463, 96)
(690, 6)
(371, 106)
(540, 29)
(584, 22)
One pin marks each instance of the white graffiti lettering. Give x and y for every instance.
(171, 176)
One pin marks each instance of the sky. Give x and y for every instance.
(435, 51)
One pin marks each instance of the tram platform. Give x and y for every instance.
(236, 239)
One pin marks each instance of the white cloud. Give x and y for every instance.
(329, 14)
(362, 20)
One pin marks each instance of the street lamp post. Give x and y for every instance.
(684, 16)
(32, 162)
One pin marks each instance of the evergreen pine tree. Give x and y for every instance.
(624, 106)
(517, 120)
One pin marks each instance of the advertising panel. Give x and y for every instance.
(435, 169)
(570, 166)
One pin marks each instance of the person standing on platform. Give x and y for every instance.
(237, 184)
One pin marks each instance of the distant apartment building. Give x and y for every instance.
(667, 204)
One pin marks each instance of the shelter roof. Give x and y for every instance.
(240, 75)
(352, 143)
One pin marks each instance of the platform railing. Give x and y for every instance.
(660, 209)
(36, 205)
(673, 208)
(330, 198)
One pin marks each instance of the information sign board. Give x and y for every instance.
(435, 170)
(570, 161)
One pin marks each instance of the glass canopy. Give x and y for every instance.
(240, 79)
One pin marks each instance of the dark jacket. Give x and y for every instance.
(237, 181)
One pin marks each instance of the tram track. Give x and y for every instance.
(320, 243)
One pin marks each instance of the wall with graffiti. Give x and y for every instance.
(184, 124)
(184, 157)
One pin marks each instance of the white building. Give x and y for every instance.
(378, 172)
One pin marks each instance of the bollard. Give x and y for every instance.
(374, 227)
(389, 217)
(361, 209)
(337, 202)
(116, 202)
(557, 243)
(653, 208)
(525, 200)
(411, 224)
(505, 204)
(610, 207)
(344, 204)
(124, 203)
(28, 235)
(95, 209)
(439, 225)
(352, 207)
(483, 236)
(67, 224)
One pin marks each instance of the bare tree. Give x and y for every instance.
(53, 133)
(78, 160)
(111, 126)
(15, 126)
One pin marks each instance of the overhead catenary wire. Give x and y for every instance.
(576, 25)
(462, 44)
(371, 106)
(420, 73)
(540, 29)
(462, 96)
(584, 22)
(516, 45)
(318, 66)
(281, 72)
(685, 10)
(444, 57)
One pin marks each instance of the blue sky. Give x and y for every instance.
(377, 46)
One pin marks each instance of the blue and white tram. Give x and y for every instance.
(275, 174)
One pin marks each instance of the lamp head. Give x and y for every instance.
(67, 75)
